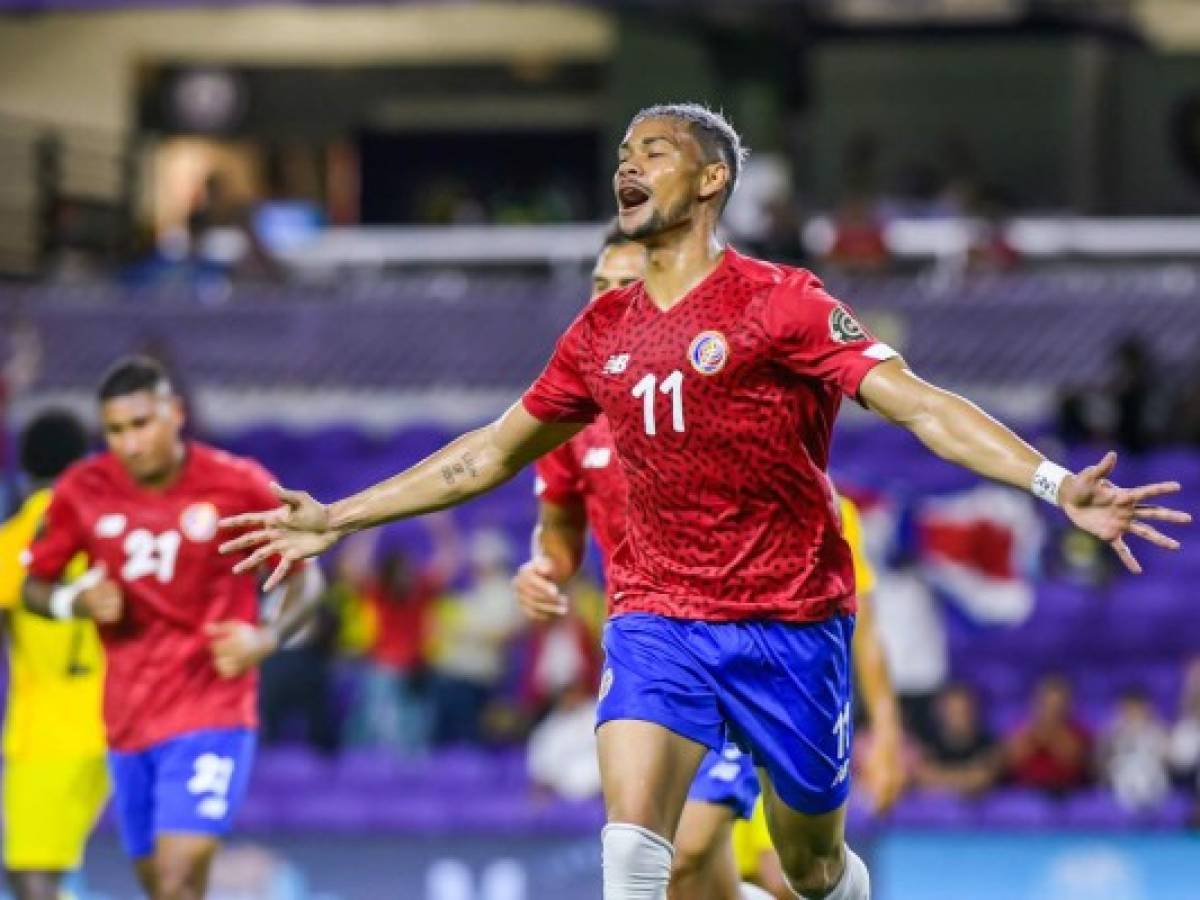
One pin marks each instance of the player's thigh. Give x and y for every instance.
(645, 772)
(704, 867)
(658, 715)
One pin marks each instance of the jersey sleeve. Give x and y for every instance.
(58, 539)
(559, 479)
(864, 574)
(816, 335)
(560, 393)
(11, 571)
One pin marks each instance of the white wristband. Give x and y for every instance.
(1047, 481)
(62, 598)
(62, 601)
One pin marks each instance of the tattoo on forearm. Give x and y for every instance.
(462, 467)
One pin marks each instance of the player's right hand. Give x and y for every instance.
(101, 603)
(296, 530)
(539, 595)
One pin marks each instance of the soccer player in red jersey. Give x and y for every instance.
(181, 633)
(732, 592)
(580, 486)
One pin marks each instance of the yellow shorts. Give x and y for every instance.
(50, 808)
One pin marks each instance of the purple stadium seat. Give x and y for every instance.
(1015, 808)
(324, 809)
(930, 809)
(290, 765)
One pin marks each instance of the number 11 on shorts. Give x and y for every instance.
(842, 730)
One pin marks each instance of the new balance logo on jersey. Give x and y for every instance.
(617, 364)
(596, 458)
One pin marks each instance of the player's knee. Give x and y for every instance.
(841, 876)
(177, 877)
(812, 870)
(34, 885)
(637, 863)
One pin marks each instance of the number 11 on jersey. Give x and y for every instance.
(645, 391)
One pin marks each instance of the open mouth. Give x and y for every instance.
(631, 197)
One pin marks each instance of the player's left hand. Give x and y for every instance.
(296, 530)
(1109, 512)
(883, 773)
(239, 646)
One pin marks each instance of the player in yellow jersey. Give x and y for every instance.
(757, 861)
(55, 775)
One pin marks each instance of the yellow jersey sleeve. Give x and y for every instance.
(15, 536)
(864, 575)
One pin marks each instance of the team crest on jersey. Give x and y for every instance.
(199, 522)
(110, 525)
(844, 328)
(709, 352)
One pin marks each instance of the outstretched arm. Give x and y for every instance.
(473, 464)
(959, 431)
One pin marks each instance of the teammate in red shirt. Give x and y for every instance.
(733, 594)
(181, 632)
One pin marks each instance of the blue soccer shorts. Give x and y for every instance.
(780, 691)
(190, 784)
(727, 778)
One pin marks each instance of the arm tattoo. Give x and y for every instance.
(464, 466)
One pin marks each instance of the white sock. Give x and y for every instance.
(855, 883)
(637, 863)
(753, 892)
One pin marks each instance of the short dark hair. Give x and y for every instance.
(50, 443)
(716, 135)
(131, 375)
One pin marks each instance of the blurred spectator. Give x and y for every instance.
(394, 710)
(221, 237)
(471, 638)
(1133, 391)
(1051, 751)
(561, 755)
(858, 243)
(1133, 753)
(17, 372)
(961, 756)
(563, 656)
(990, 248)
(562, 674)
(1185, 736)
(1185, 414)
(297, 685)
(916, 652)
(1075, 419)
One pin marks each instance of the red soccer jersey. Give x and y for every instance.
(722, 410)
(586, 470)
(161, 548)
